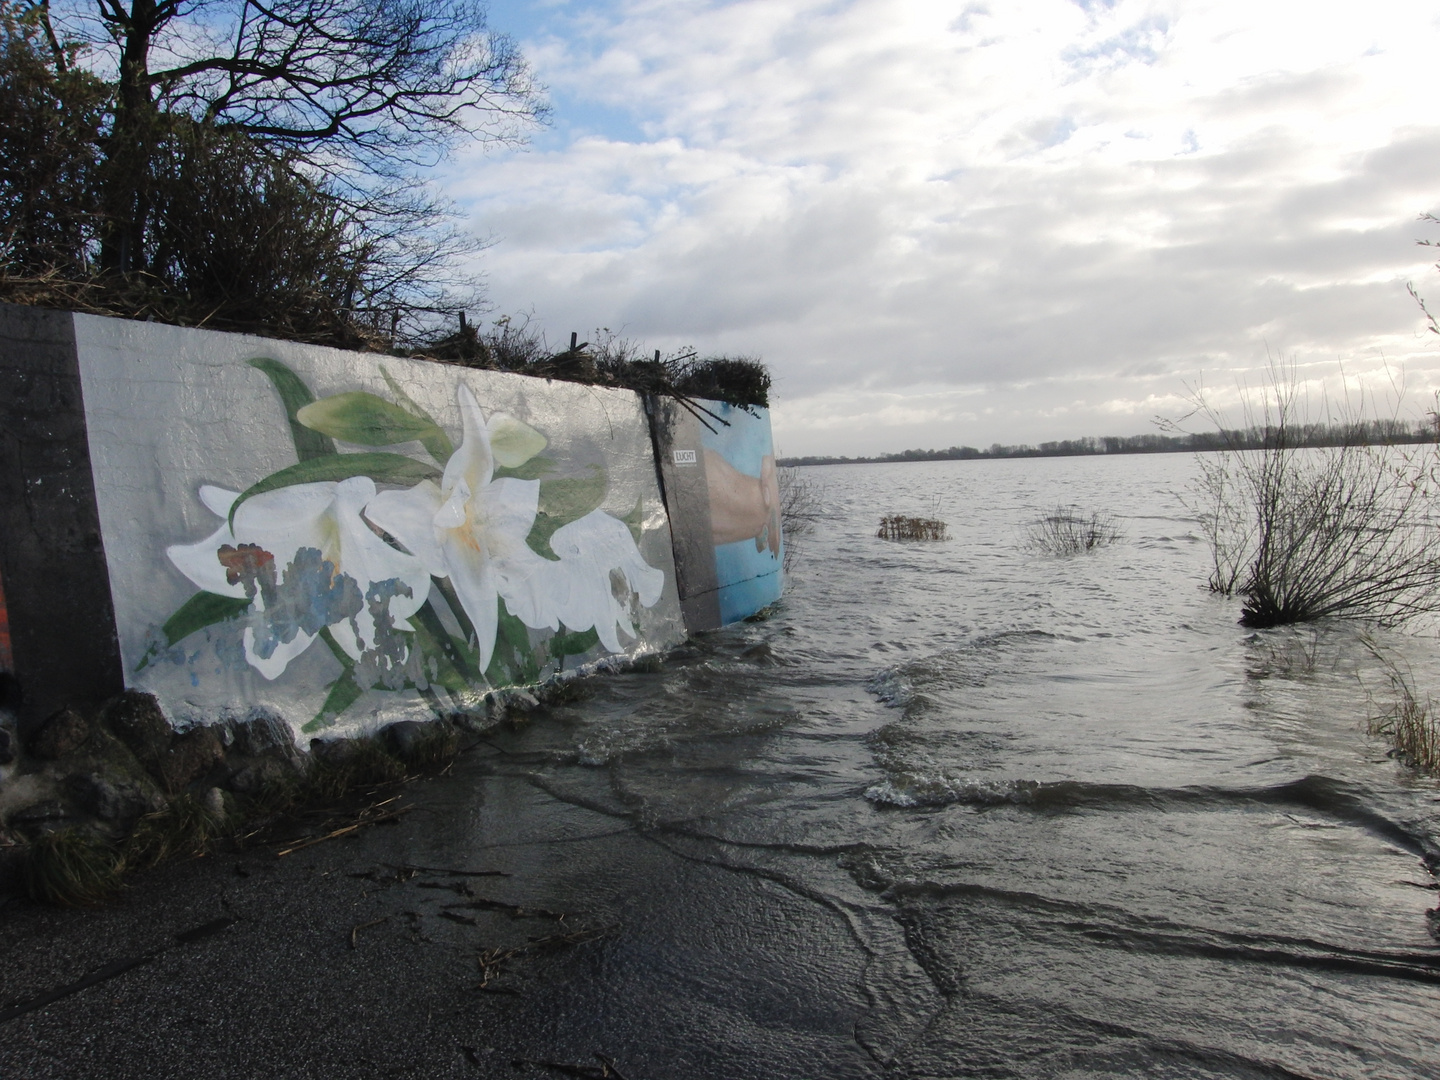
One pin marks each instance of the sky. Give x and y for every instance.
(959, 224)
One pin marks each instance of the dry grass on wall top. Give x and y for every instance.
(900, 527)
(520, 345)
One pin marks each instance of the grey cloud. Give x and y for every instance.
(789, 219)
(1309, 90)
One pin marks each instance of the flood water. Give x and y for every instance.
(1073, 817)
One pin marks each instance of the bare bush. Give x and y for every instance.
(1066, 531)
(1307, 533)
(800, 498)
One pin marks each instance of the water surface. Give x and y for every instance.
(1077, 820)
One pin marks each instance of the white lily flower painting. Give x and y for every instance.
(483, 564)
(340, 579)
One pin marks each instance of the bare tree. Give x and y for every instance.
(248, 165)
(49, 129)
(363, 91)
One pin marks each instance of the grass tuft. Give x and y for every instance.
(1408, 722)
(436, 748)
(367, 762)
(184, 829)
(72, 869)
(800, 502)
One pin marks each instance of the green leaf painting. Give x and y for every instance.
(451, 666)
(537, 468)
(569, 643)
(295, 395)
(367, 420)
(635, 519)
(563, 500)
(380, 467)
(344, 692)
(201, 610)
(439, 445)
(513, 443)
(514, 662)
(457, 655)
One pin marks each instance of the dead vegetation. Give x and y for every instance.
(184, 829)
(1067, 531)
(607, 1069)
(71, 869)
(900, 527)
(519, 345)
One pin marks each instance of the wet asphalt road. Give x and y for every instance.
(395, 952)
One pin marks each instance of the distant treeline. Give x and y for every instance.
(1364, 432)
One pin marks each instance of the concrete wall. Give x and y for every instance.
(344, 540)
(52, 566)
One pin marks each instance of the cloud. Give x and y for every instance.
(1028, 221)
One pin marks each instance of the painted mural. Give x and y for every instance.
(348, 540)
(718, 464)
(744, 494)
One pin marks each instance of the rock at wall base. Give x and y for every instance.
(262, 736)
(137, 719)
(112, 799)
(61, 734)
(190, 757)
(256, 775)
(419, 742)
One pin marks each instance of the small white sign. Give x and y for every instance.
(684, 457)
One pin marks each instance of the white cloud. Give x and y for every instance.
(1007, 222)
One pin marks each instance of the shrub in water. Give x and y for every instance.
(1066, 531)
(1302, 533)
(900, 527)
(799, 509)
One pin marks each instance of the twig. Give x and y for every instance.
(486, 988)
(343, 831)
(611, 1069)
(365, 926)
(606, 1071)
(447, 870)
(514, 909)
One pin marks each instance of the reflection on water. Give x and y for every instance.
(1082, 822)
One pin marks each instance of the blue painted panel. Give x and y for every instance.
(748, 571)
